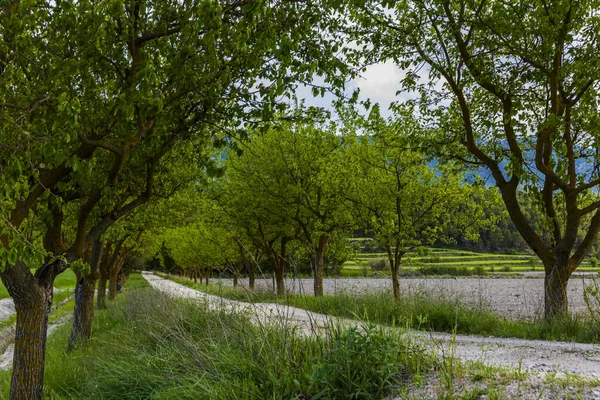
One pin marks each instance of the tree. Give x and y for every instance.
(295, 174)
(523, 82)
(402, 201)
(105, 91)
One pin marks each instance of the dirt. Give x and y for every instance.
(555, 369)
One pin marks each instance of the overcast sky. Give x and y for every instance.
(379, 82)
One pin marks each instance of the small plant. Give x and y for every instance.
(507, 268)
(362, 364)
(591, 296)
(364, 269)
(593, 262)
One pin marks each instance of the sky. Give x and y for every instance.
(379, 82)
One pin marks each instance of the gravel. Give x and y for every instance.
(516, 297)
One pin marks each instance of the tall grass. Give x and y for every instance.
(421, 310)
(148, 346)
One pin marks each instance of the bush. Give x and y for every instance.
(423, 251)
(593, 262)
(507, 268)
(479, 270)
(445, 270)
(378, 265)
(363, 364)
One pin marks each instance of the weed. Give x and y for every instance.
(343, 371)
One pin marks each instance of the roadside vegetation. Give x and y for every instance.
(153, 346)
(419, 310)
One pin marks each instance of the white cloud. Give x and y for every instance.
(380, 82)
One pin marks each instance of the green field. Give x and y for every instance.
(443, 261)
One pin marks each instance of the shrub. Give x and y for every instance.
(378, 265)
(507, 268)
(479, 270)
(445, 270)
(423, 251)
(593, 262)
(363, 364)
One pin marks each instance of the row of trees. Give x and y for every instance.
(299, 186)
(107, 105)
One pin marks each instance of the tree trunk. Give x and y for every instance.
(556, 303)
(104, 268)
(32, 295)
(83, 314)
(251, 277)
(320, 256)
(113, 279)
(394, 259)
(30, 345)
(195, 273)
(396, 281)
(108, 260)
(279, 270)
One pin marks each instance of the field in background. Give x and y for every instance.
(443, 261)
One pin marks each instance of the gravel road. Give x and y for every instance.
(533, 355)
(515, 297)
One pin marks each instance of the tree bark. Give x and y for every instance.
(32, 295)
(320, 256)
(394, 257)
(251, 276)
(113, 278)
(556, 304)
(279, 270)
(30, 345)
(103, 278)
(83, 314)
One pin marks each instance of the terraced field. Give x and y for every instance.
(442, 261)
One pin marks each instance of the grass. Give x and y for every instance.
(149, 346)
(420, 311)
(464, 263)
